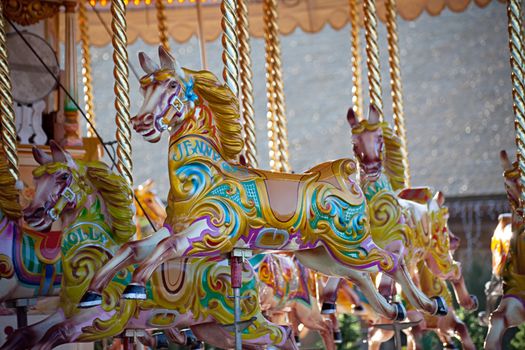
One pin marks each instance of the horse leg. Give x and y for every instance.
(329, 295)
(312, 319)
(434, 306)
(466, 300)
(377, 336)
(319, 259)
(130, 253)
(461, 330)
(171, 247)
(27, 337)
(415, 335)
(510, 313)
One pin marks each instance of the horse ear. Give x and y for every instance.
(167, 61)
(351, 117)
(373, 114)
(505, 162)
(148, 184)
(147, 63)
(41, 157)
(440, 198)
(59, 155)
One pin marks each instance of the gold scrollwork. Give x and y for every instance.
(27, 12)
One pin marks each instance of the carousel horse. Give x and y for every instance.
(95, 208)
(152, 206)
(511, 309)
(216, 205)
(287, 288)
(410, 222)
(499, 247)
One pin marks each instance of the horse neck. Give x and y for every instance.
(371, 188)
(7, 233)
(197, 137)
(80, 223)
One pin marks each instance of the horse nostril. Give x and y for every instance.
(38, 213)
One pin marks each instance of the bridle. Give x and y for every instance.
(174, 109)
(66, 196)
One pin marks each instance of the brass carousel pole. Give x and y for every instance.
(121, 88)
(163, 27)
(230, 74)
(518, 83)
(230, 43)
(200, 34)
(246, 78)
(277, 133)
(372, 56)
(86, 67)
(7, 117)
(357, 89)
(395, 83)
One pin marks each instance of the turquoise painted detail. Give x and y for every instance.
(373, 188)
(348, 216)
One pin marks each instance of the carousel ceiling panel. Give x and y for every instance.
(308, 15)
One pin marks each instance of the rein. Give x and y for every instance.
(66, 196)
(175, 108)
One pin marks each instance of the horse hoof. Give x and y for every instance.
(328, 308)
(401, 311)
(483, 319)
(441, 306)
(134, 292)
(297, 340)
(90, 299)
(475, 301)
(161, 341)
(197, 346)
(338, 337)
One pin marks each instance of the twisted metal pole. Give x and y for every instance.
(7, 116)
(357, 88)
(121, 88)
(372, 55)
(246, 78)
(277, 130)
(230, 42)
(518, 82)
(395, 83)
(86, 67)
(162, 26)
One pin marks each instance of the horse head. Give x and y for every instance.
(151, 203)
(58, 187)
(168, 96)
(368, 144)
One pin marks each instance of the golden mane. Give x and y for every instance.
(225, 107)
(9, 201)
(394, 164)
(118, 198)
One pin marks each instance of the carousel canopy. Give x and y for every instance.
(309, 15)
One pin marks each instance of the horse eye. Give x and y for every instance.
(64, 176)
(173, 84)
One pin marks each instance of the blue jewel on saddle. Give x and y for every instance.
(189, 94)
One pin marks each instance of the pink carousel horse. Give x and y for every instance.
(216, 205)
(95, 208)
(409, 222)
(511, 310)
